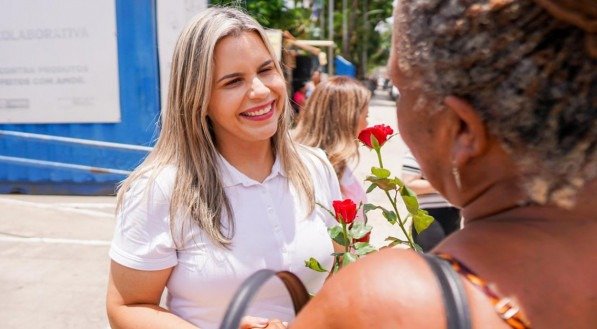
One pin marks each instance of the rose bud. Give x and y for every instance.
(381, 133)
(346, 210)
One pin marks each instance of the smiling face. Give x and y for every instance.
(248, 92)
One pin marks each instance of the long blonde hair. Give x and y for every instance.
(186, 139)
(330, 119)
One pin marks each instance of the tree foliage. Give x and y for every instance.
(363, 19)
(274, 14)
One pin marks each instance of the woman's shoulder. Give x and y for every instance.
(309, 152)
(155, 180)
(316, 161)
(393, 287)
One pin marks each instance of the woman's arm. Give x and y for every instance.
(134, 296)
(419, 185)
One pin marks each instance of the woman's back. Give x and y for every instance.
(542, 258)
(498, 107)
(548, 266)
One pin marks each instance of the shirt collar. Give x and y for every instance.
(232, 176)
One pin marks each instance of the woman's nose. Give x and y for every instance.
(258, 89)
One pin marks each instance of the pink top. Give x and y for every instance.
(352, 188)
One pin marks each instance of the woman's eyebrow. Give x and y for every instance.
(228, 76)
(266, 63)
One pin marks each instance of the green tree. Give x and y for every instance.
(364, 44)
(274, 14)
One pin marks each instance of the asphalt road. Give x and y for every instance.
(54, 249)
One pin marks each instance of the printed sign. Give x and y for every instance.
(172, 15)
(58, 62)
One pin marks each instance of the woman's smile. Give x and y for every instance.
(261, 112)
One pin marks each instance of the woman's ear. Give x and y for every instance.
(471, 135)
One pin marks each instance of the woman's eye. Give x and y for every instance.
(232, 82)
(266, 69)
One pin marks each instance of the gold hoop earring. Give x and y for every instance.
(456, 174)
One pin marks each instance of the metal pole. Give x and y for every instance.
(365, 38)
(62, 165)
(345, 46)
(70, 140)
(331, 37)
(322, 19)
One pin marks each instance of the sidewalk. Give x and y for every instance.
(53, 256)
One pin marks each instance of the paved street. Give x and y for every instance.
(53, 249)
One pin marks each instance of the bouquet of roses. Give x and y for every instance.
(354, 236)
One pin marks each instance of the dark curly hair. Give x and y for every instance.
(528, 68)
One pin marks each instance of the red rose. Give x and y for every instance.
(381, 133)
(346, 210)
(365, 238)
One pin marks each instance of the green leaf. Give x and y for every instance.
(334, 231)
(374, 142)
(363, 248)
(412, 204)
(380, 172)
(313, 264)
(371, 188)
(383, 183)
(397, 181)
(418, 248)
(337, 234)
(395, 241)
(367, 207)
(348, 258)
(422, 220)
(407, 191)
(359, 230)
(390, 216)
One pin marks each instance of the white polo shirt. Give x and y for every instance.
(273, 230)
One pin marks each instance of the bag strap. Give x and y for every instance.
(248, 289)
(453, 293)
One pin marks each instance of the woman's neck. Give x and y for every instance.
(506, 199)
(255, 160)
(497, 198)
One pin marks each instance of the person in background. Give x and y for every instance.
(447, 217)
(299, 97)
(498, 105)
(312, 84)
(224, 193)
(333, 116)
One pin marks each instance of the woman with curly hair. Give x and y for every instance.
(499, 107)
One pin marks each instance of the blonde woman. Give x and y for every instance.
(224, 192)
(331, 120)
